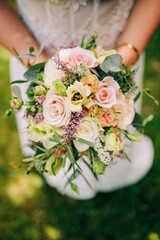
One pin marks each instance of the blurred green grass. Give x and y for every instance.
(31, 210)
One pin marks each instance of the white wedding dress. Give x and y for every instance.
(56, 24)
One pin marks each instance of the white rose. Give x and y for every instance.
(88, 130)
(51, 73)
(77, 96)
(40, 131)
(125, 110)
(54, 111)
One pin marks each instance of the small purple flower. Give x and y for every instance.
(39, 102)
(38, 118)
(71, 45)
(73, 125)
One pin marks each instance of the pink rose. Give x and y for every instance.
(106, 117)
(77, 55)
(54, 111)
(106, 93)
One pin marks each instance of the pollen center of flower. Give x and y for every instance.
(77, 96)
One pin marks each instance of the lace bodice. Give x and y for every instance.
(57, 24)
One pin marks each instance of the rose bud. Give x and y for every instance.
(16, 103)
(40, 90)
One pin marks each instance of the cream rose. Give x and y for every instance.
(77, 55)
(54, 111)
(77, 96)
(105, 54)
(88, 130)
(51, 73)
(106, 93)
(125, 110)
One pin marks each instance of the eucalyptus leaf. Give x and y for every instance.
(42, 46)
(112, 63)
(16, 91)
(28, 56)
(38, 66)
(31, 75)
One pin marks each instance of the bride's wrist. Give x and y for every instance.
(129, 54)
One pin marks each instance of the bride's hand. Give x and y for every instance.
(142, 23)
(15, 35)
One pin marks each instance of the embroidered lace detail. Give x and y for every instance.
(53, 23)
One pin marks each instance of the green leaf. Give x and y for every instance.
(29, 169)
(83, 42)
(133, 137)
(148, 93)
(19, 81)
(74, 188)
(28, 56)
(32, 49)
(55, 138)
(137, 96)
(17, 54)
(71, 158)
(28, 159)
(126, 156)
(93, 70)
(42, 149)
(15, 172)
(112, 63)
(52, 167)
(85, 142)
(88, 154)
(64, 161)
(8, 112)
(137, 121)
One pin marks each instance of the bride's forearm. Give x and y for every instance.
(142, 23)
(14, 34)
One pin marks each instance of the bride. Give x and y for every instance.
(126, 25)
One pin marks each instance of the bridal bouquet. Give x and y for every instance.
(80, 104)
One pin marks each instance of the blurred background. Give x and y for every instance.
(31, 210)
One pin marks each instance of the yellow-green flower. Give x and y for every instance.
(112, 143)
